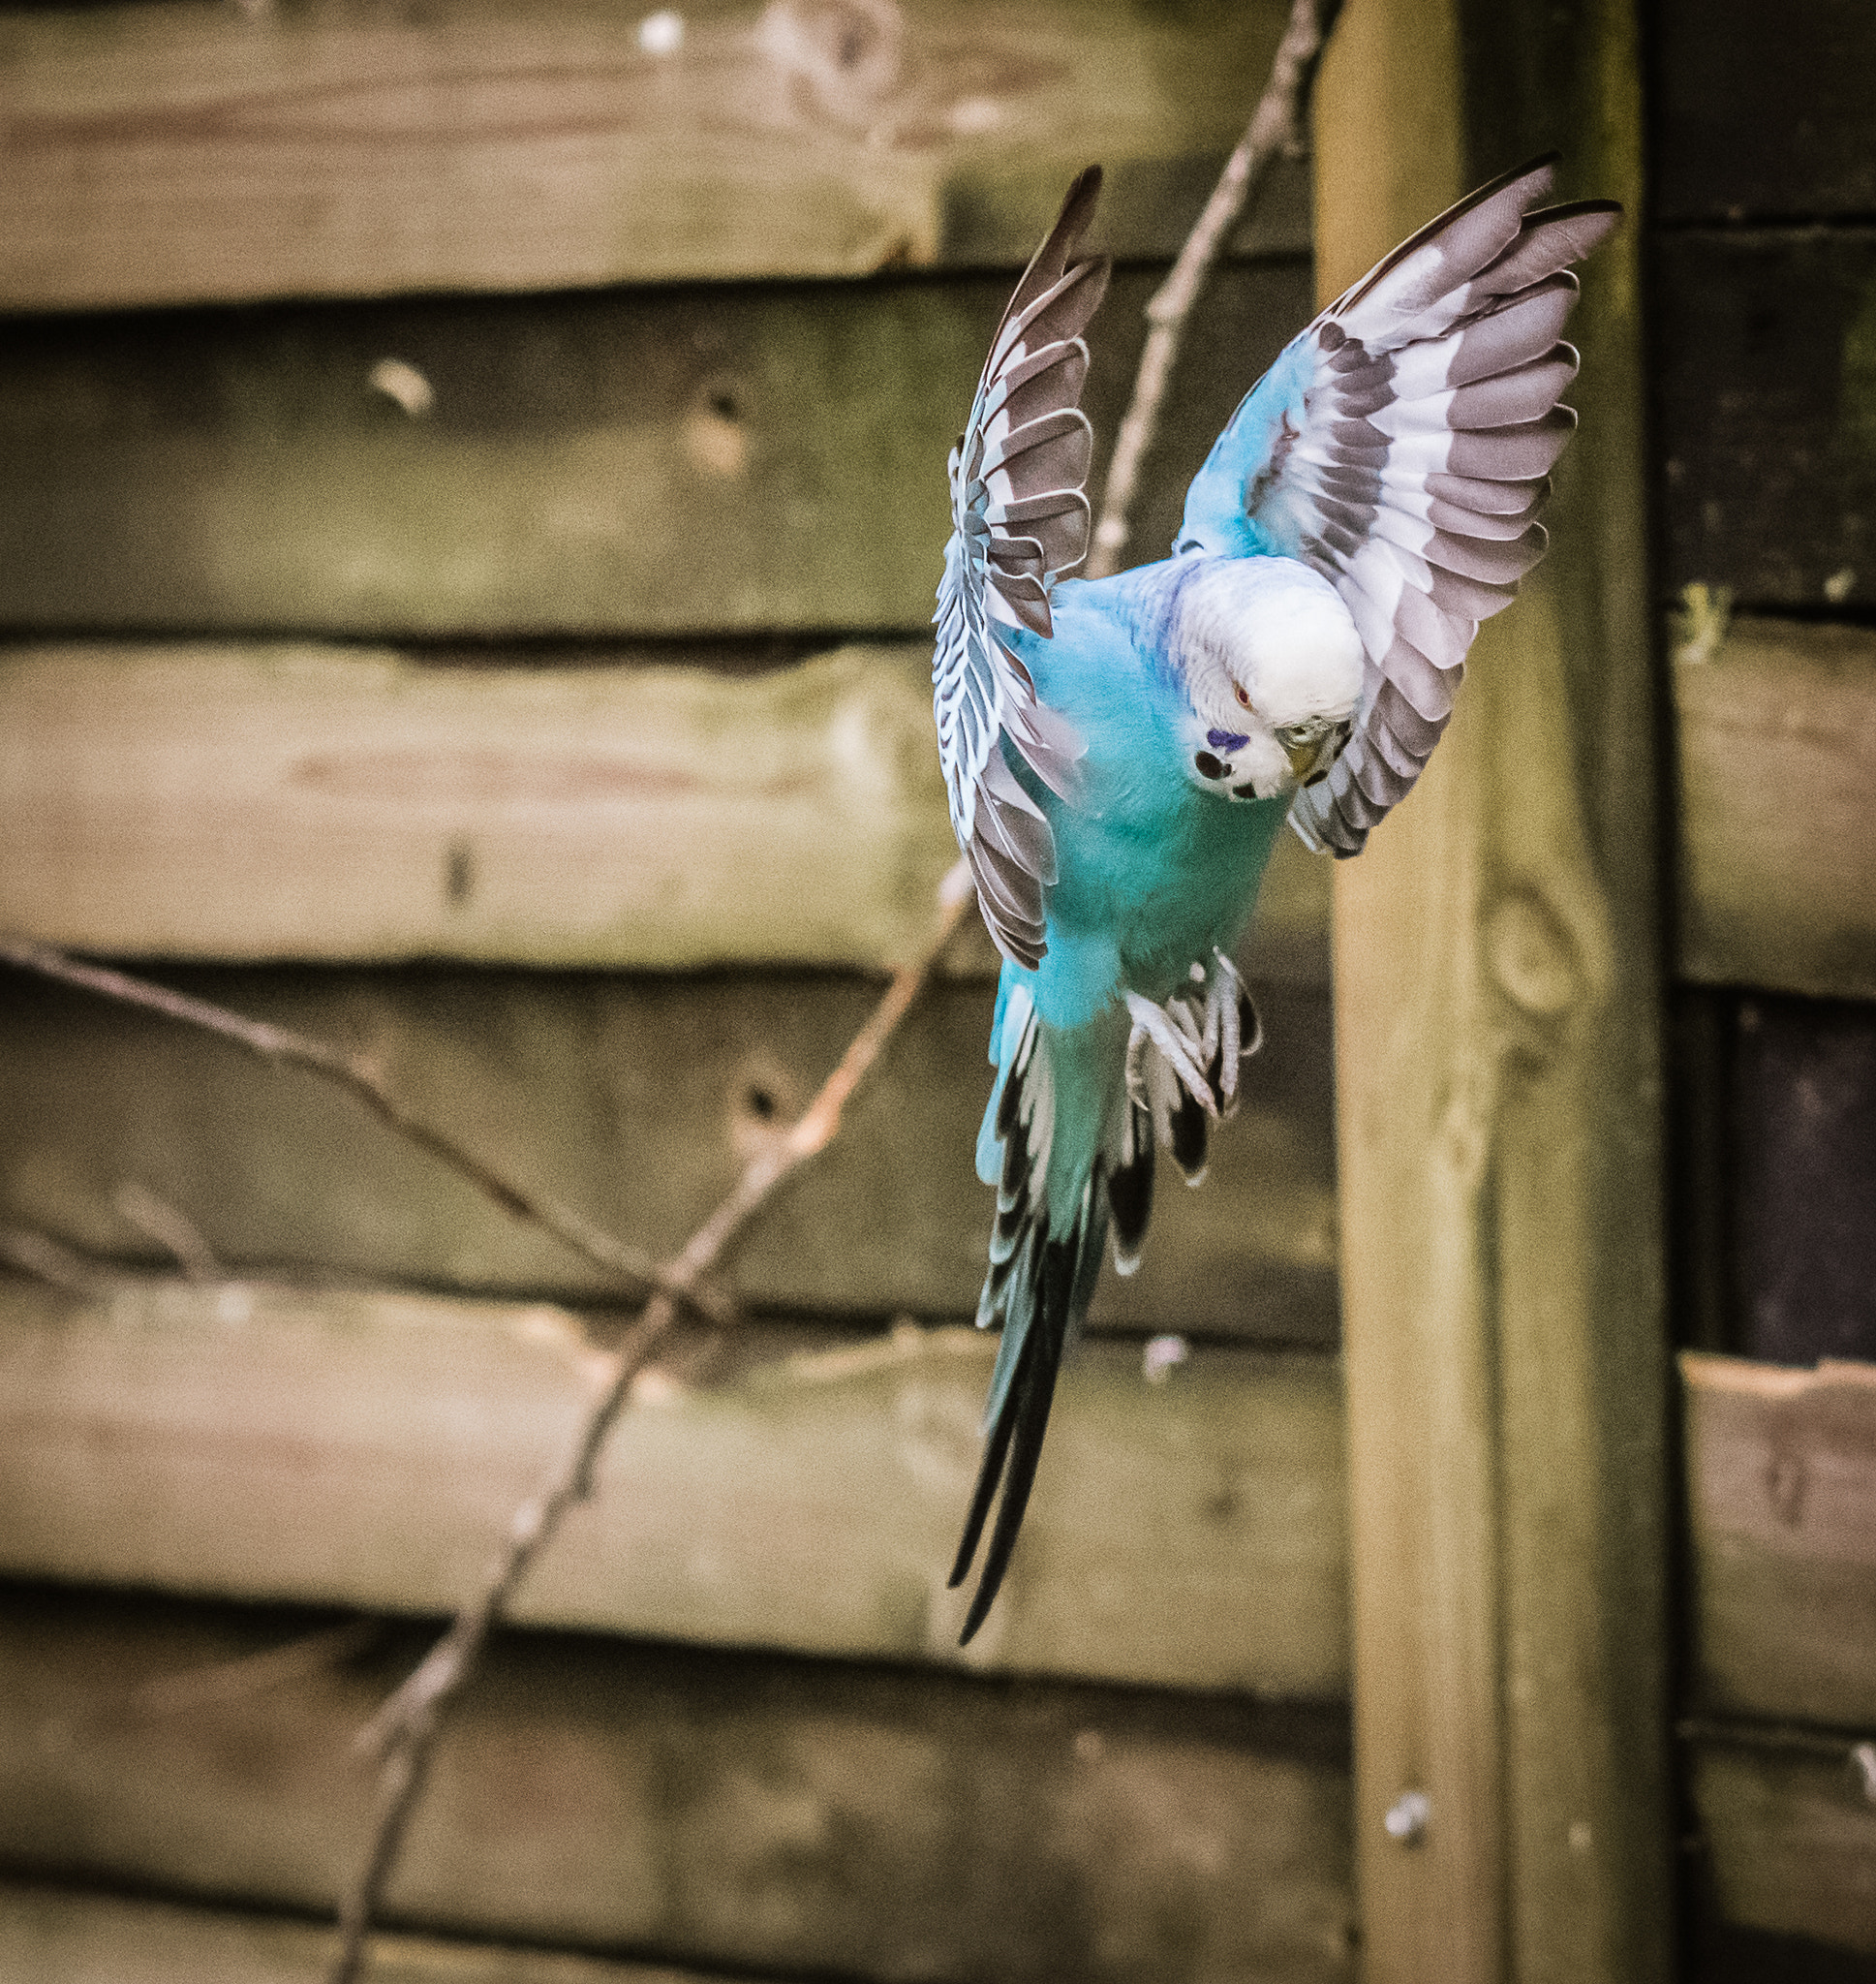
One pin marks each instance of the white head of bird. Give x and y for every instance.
(1273, 669)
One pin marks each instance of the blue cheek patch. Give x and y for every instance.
(1226, 740)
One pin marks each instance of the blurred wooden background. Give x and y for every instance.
(474, 495)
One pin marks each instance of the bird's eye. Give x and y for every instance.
(1243, 694)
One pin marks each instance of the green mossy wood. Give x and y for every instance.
(685, 461)
(637, 1101)
(813, 1817)
(57, 1937)
(1776, 733)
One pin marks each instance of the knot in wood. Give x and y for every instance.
(1531, 956)
(846, 54)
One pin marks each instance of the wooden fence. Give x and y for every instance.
(1762, 259)
(475, 497)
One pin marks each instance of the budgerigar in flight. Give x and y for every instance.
(1119, 753)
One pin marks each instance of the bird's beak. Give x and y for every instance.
(1302, 753)
(1313, 747)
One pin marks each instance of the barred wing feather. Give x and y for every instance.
(1402, 446)
(1020, 521)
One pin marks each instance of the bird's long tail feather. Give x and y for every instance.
(1042, 1144)
(1068, 1141)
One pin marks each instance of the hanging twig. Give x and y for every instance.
(403, 1734)
(43, 1258)
(1276, 130)
(617, 1259)
(169, 1227)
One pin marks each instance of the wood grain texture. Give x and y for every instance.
(1763, 113)
(295, 800)
(307, 802)
(181, 153)
(1781, 1499)
(1496, 1019)
(758, 1816)
(286, 800)
(63, 1936)
(1788, 1834)
(1765, 373)
(637, 1101)
(366, 1450)
(674, 461)
(1776, 746)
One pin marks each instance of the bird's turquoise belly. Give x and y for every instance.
(1139, 900)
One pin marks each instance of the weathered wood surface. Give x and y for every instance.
(1781, 1497)
(69, 1935)
(1777, 834)
(790, 1817)
(1797, 1196)
(1787, 1834)
(1495, 1009)
(317, 802)
(639, 1101)
(184, 152)
(293, 801)
(1763, 113)
(1765, 372)
(311, 802)
(369, 1450)
(677, 461)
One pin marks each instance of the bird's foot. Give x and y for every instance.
(1200, 1041)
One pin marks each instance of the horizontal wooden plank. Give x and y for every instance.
(781, 1818)
(65, 1935)
(639, 1101)
(300, 802)
(684, 461)
(1787, 1834)
(368, 1450)
(1781, 1497)
(1763, 113)
(1776, 730)
(306, 802)
(181, 152)
(358, 805)
(1765, 367)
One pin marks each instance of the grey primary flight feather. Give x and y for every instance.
(1020, 521)
(1401, 446)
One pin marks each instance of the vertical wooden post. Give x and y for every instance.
(1497, 1023)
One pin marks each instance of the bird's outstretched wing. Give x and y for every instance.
(1402, 446)
(1019, 522)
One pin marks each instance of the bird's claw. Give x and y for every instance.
(1202, 1044)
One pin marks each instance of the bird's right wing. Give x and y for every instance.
(1402, 446)
(1020, 521)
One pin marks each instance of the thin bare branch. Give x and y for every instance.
(617, 1259)
(169, 1227)
(250, 1674)
(1276, 130)
(402, 1733)
(47, 1261)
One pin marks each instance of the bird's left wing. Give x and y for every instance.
(1402, 446)
(1019, 522)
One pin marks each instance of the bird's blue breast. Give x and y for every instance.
(1152, 870)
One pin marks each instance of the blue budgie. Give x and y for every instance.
(1121, 752)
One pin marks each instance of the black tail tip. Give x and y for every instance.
(979, 1611)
